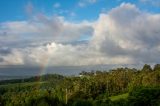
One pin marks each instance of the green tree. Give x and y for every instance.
(147, 67)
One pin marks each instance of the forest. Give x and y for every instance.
(115, 87)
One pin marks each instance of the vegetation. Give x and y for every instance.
(118, 97)
(117, 87)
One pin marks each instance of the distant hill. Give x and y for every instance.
(20, 70)
(6, 77)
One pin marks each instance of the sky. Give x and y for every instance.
(79, 32)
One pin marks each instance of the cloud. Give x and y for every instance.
(83, 3)
(29, 8)
(72, 14)
(155, 3)
(14, 58)
(43, 29)
(1, 60)
(4, 51)
(124, 35)
(92, 1)
(56, 5)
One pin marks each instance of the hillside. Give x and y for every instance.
(117, 87)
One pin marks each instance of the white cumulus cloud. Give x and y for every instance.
(124, 35)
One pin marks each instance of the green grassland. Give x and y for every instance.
(118, 97)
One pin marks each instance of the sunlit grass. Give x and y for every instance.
(122, 96)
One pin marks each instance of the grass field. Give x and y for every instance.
(122, 96)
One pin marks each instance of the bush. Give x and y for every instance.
(82, 102)
(144, 96)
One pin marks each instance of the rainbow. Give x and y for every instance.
(42, 71)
